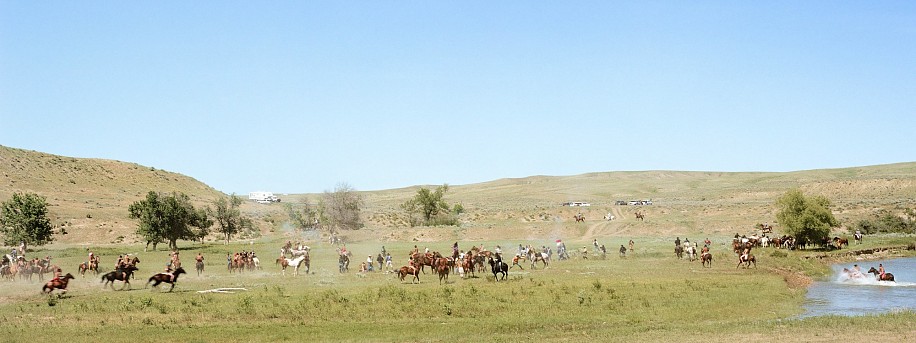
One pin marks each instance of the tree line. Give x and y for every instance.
(169, 217)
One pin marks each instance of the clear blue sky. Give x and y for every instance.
(295, 96)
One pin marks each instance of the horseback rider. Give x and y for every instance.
(880, 271)
(677, 241)
(455, 250)
(744, 255)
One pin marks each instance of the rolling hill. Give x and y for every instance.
(90, 198)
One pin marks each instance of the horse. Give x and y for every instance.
(407, 270)
(691, 253)
(422, 260)
(640, 216)
(443, 271)
(579, 218)
(679, 251)
(535, 256)
(499, 268)
(169, 278)
(200, 267)
(747, 260)
(840, 242)
(887, 276)
(88, 266)
(297, 262)
(60, 284)
(343, 263)
(858, 237)
(119, 275)
(706, 258)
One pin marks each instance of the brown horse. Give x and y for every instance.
(88, 266)
(579, 218)
(406, 270)
(706, 258)
(169, 278)
(747, 260)
(886, 277)
(423, 260)
(443, 271)
(60, 284)
(640, 216)
(840, 242)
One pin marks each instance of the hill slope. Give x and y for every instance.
(685, 203)
(90, 196)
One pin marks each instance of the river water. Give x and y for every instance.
(854, 296)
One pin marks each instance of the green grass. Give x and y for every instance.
(649, 296)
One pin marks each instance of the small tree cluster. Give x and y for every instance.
(24, 218)
(341, 209)
(304, 218)
(808, 219)
(430, 207)
(229, 217)
(887, 222)
(169, 218)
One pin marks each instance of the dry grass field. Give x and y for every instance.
(646, 297)
(90, 198)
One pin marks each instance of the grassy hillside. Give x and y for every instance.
(685, 203)
(90, 196)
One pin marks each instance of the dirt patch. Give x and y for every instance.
(795, 280)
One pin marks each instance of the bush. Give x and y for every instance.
(885, 222)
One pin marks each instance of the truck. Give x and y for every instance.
(263, 197)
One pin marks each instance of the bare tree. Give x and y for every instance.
(340, 209)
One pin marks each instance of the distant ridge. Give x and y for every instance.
(90, 197)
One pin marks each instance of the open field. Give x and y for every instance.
(89, 198)
(648, 296)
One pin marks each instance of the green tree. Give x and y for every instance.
(808, 219)
(341, 208)
(24, 218)
(169, 218)
(229, 217)
(304, 219)
(429, 205)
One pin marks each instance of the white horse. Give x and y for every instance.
(609, 217)
(765, 241)
(297, 262)
(691, 252)
(257, 263)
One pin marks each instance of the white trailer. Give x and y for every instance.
(263, 197)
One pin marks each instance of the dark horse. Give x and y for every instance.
(406, 270)
(499, 268)
(443, 270)
(747, 260)
(679, 251)
(60, 284)
(200, 267)
(169, 278)
(887, 276)
(579, 218)
(706, 258)
(640, 216)
(119, 275)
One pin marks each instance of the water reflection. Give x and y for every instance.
(850, 295)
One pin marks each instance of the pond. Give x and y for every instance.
(854, 296)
